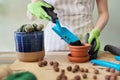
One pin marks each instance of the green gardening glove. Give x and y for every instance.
(36, 9)
(94, 34)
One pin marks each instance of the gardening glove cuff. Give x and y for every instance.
(36, 9)
(94, 35)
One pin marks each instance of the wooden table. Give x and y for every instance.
(47, 72)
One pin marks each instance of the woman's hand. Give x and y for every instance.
(35, 8)
(94, 35)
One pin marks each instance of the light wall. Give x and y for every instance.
(13, 15)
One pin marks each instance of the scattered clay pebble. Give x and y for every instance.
(61, 77)
(51, 62)
(94, 77)
(56, 64)
(45, 63)
(108, 69)
(56, 69)
(112, 70)
(96, 71)
(74, 70)
(64, 77)
(82, 69)
(84, 76)
(40, 64)
(107, 77)
(117, 73)
(86, 70)
(113, 77)
(69, 68)
(77, 67)
(63, 71)
(58, 78)
(77, 77)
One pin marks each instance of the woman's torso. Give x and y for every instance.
(73, 13)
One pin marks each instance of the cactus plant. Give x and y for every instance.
(40, 27)
(30, 28)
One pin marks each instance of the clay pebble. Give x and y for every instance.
(96, 71)
(108, 69)
(69, 68)
(55, 64)
(61, 77)
(117, 73)
(82, 69)
(112, 70)
(107, 77)
(56, 69)
(94, 77)
(45, 63)
(51, 63)
(77, 77)
(84, 76)
(42, 63)
(86, 70)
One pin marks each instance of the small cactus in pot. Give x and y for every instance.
(29, 41)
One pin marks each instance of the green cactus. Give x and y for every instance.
(21, 29)
(40, 27)
(30, 28)
(35, 27)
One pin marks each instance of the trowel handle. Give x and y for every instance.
(114, 50)
(106, 64)
(50, 12)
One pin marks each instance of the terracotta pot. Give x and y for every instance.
(78, 59)
(30, 56)
(79, 51)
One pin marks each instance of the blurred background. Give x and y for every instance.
(13, 15)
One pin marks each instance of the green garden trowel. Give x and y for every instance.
(63, 32)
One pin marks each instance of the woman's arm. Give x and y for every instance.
(29, 15)
(103, 14)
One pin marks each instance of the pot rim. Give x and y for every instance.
(28, 32)
(85, 45)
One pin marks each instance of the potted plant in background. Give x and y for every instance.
(29, 41)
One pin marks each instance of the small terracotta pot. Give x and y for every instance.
(79, 51)
(78, 59)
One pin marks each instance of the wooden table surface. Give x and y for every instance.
(47, 72)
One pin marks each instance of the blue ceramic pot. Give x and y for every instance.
(29, 41)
